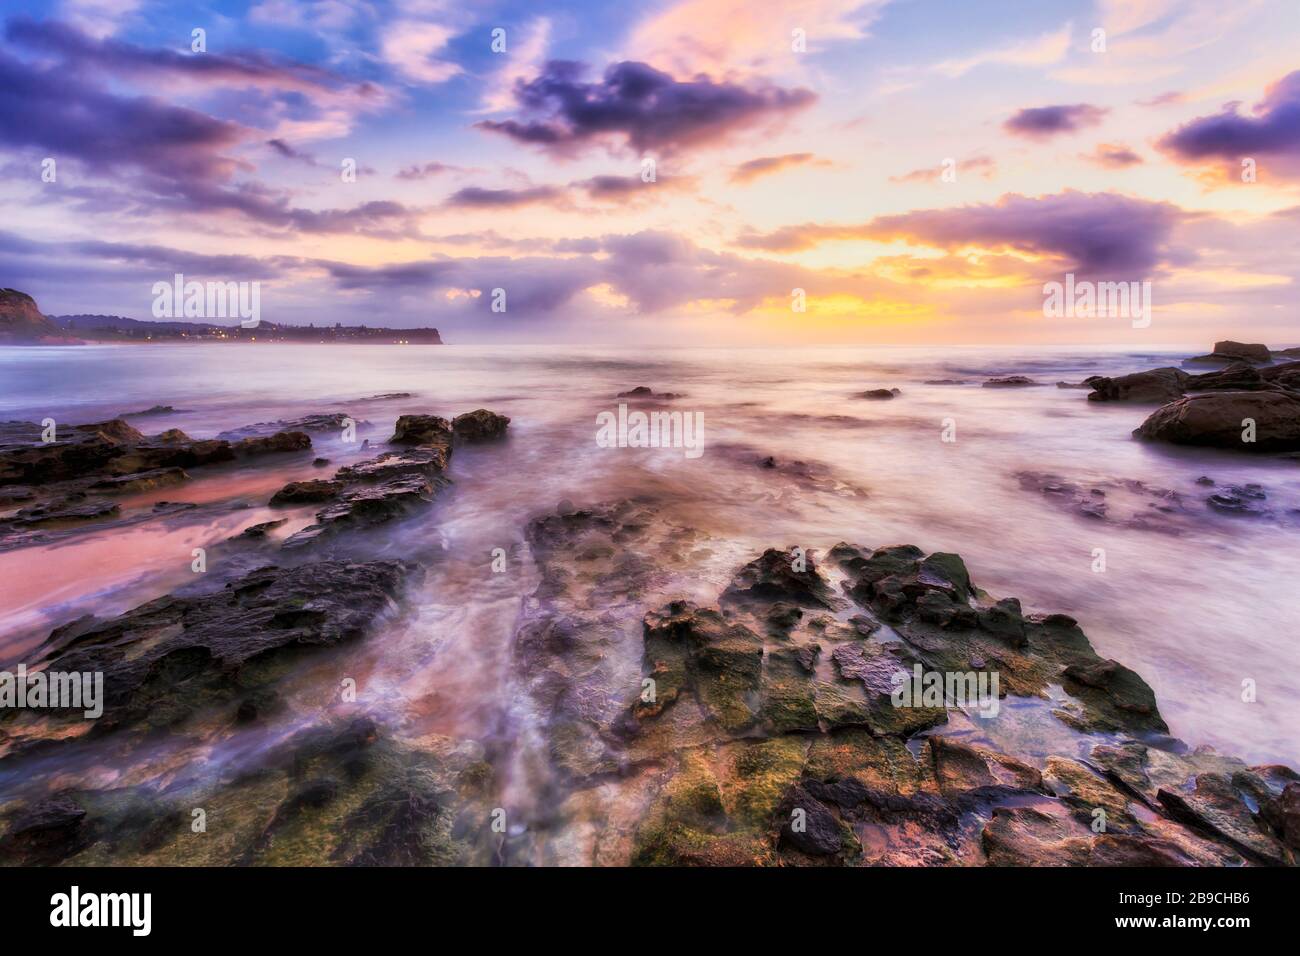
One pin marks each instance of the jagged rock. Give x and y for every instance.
(422, 430)
(323, 422)
(45, 834)
(818, 831)
(1114, 687)
(261, 529)
(479, 425)
(143, 481)
(307, 492)
(1219, 420)
(772, 577)
(961, 768)
(280, 441)
(164, 660)
(365, 506)
(69, 509)
(392, 464)
(1215, 806)
(1156, 385)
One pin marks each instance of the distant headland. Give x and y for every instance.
(22, 323)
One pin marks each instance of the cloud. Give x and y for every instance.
(1043, 50)
(1093, 233)
(429, 170)
(1113, 156)
(985, 166)
(474, 197)
(289, 152)
(242, 70)
(730, 36)
(639, 106)
(56, 110)
(754, 169)
(316, 15)
(409, 47)
(1271, 131)
(1043, 122)
(524, 57)
(1171, 98)
(99, 17)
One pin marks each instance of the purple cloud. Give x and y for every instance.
(475, 197)
(643, 107)
(125, 59)
(1272, 129)
(1098, 234)
(1043, 122)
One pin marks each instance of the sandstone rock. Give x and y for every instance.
(1218, 419)
(1229, 351)
(22, 322)
(421, 430)
(479, 425)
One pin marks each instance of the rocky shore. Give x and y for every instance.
(758, 723)
(1251, 404)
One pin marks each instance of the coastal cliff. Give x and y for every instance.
(22, 322)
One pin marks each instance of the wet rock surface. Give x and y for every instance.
(169, 658)
(765, 727)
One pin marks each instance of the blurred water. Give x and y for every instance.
(1195, 613)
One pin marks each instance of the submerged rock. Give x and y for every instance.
(881, 393)
(1010, 381)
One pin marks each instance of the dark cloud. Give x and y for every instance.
(125, 59)
(629, 189)
(166, 158)
(54, 109)
(1042, 122)
(475, 197)
(643, 107)
(753, 169)
(1272, 129)
(1097, 234)
(289, 152)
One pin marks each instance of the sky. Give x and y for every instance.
(685, 172)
